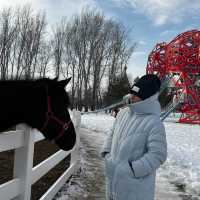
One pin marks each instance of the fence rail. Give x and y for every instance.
(22, 141)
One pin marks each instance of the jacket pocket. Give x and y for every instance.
(125, 185)
(137, 154)
(123, 170)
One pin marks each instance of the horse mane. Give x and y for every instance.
(32, 83)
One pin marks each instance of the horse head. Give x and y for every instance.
(55, 122)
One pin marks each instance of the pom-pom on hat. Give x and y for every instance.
(146, 86)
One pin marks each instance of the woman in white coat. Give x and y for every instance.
(136, 146)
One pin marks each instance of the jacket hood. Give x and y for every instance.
(148, 106)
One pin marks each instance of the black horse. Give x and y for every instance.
(41, 104)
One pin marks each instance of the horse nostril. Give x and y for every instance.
(49, 114)
(65, 126)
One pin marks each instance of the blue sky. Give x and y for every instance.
(151, 21)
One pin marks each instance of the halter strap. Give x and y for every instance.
(50, 115)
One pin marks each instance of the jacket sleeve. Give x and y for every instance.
(156, 153)
(108, 141)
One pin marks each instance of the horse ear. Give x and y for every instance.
(56, 78)
(63, 83)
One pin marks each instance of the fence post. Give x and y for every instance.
(75, 153)
(23, 163)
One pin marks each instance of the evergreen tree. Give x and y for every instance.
(117, 89)
(165, 98)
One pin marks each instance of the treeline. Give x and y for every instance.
(90, 48)
(22, 44)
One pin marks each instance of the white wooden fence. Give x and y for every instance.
(22, 141)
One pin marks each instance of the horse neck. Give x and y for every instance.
(20, 104)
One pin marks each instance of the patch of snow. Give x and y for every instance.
(183, 163)
(182, 167)
(74, 186)
(100, 122)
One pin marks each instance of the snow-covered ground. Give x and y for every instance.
(183, 164)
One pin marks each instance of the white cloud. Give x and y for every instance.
(164, 11)
(137, 63)
(138, 53)
(8, 3)
(54, 9)
(13, 3)
(168, 32)
(142, 42)
(67, 8)
(136, 68)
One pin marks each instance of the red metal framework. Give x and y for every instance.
(156, 61)
(181, 60)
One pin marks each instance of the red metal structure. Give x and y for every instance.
(180, 60)
(156, 63)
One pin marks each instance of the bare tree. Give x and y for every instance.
(21, 33)
(43, 59)
(7, 36)
(93, 48)
(90, 48)
(58, 46)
